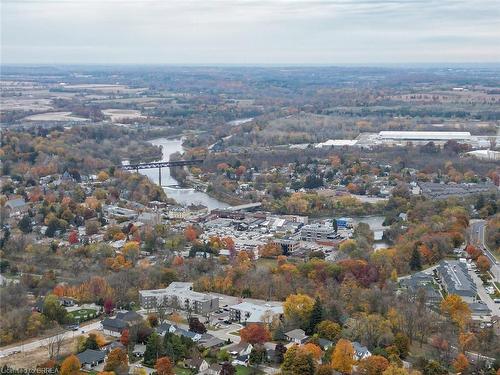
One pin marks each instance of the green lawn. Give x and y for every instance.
(83, 315)
(242, 370)
(182, 371)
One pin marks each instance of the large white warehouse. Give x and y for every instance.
(424, 136)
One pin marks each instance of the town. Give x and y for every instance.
(149, 226)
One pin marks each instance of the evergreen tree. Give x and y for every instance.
(154, 349)
(316, 316)
(335, 226)
(415, 261)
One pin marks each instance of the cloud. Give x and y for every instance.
(229, 31)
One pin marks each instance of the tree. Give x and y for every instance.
(164, 366)
(190, 233)
(313, 349)
(415, 261)
(270, 250)
(73, 237)
(152, 320)
(402, 343)
(395, 370)
(280, 351)
(483, 263)
(257, 355)
(461, 363)
(91, 342)
(298, 307)
(325, 369)
(108, 306)
(297, 362)
(71, 366)
(102, 176)
(153, 349)
(53, 310)
(329, 330)
(196, 326)
(373, 365)
(456, 309)
(343, 356)
(227, 369)
(117, 362)
(25, 224)
(255, 334)
(125, 337)
(316, 316)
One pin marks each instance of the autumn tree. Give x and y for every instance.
(373, 365)
(164, 366)
(343, 356)
(329, 330)
(395, 370)
(461, 363)
(117, 361)
(196, 326)
(483, 263)
(297, 362)
(125, 337)
(456, 309)
(71, 366)
(298, 307)
(313, 350)
(190, 233)
(270, 250)
(255, 334)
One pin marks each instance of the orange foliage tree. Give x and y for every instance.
(255, 334)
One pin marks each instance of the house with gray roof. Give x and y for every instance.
(297, 336)
(455, 279)
(91, 358)
(360, 351)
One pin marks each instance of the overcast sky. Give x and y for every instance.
(250, 32)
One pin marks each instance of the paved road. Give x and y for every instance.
(32, 345)
(477, 234)
(485, 297)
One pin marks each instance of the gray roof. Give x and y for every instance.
(457, 279)
(360, 349)
(128, 316)
(297, 334)
(91, 356)
(162, 328)
(114, 323)
(16, 203)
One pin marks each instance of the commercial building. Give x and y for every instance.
(181, 295)
(434, 190)
(455, 279)
(248, 312)
(317, 232)
(425, 136)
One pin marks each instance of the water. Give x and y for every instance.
(376, 225)
(181, 195)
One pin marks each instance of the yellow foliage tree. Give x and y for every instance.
(71, 366)
(298, 306)
(454, 307)
(343, 356)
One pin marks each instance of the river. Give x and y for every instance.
(181, 195)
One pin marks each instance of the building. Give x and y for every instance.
(113, 327)
(177, 213)
(317, 232)
(455, 279)
(288, 246)
(248, 312)
(360, 351)
(179, 294)
(434, 190)
(91, 358)
(16, 206)
(344, 222)
(424, 136)
(298, 336)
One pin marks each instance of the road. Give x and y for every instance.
(32, 345)
(477, 236)
(485, 297)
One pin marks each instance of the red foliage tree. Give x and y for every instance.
(255, 334)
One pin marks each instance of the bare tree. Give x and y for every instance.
(54, 344)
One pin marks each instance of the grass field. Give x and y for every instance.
(83, 315)
(182, 371)
(242, 370)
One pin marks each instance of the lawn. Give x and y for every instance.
(182, 371)
(242, 370)
(82, 315)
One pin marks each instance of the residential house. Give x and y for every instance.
(139, 350)
(164, 328)
(297, 336)
(90, 358)
(360, 351)
(113, 327)
(197, 364)
(130, 317)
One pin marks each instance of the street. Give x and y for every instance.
(477, 236)
(29, 346)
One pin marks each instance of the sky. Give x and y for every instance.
(249, 32)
